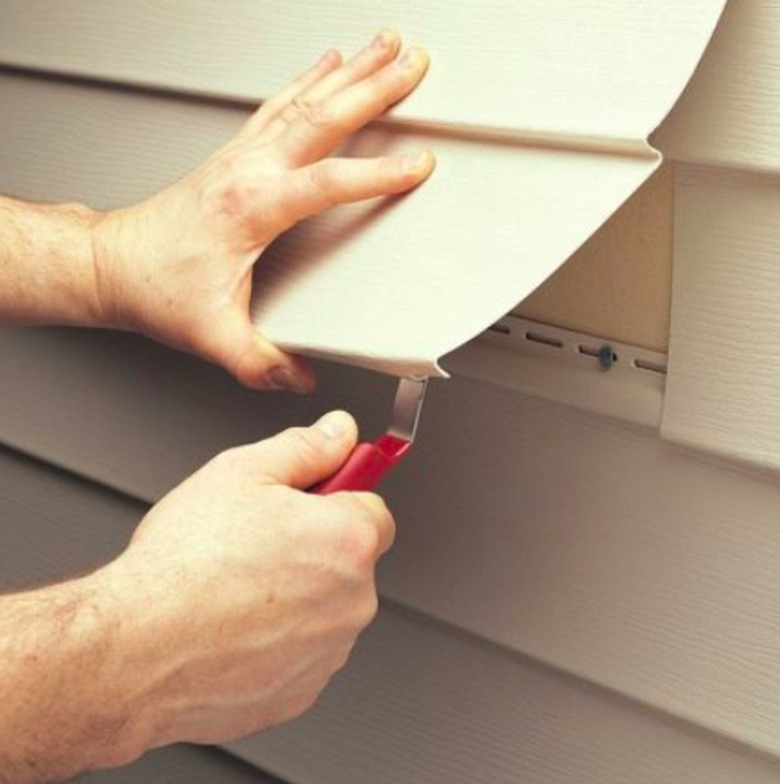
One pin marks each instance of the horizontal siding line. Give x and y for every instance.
(118, 84)
(604, 145)
(621, 668)
(83, 478)
(571, 677)
(75, 451)
(755, 171)
(92, 484)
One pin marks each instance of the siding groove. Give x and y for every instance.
(419, 702)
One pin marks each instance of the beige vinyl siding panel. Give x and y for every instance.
(723, 389)
(136, 417)
(723, 392)
(574, 539)
(577, 541)
(587, 153)
(122, 145)
(247, 49)
(181, 765)
(487, 717)
(419, 703)
(618, 284)
(729, 115)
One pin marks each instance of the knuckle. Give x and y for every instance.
(322, 179)
(317, 115)
(380, 515)
(366, 544)
(383, 85)
(300, 705)
(323, 175)
(368, 610)
(237, 194)
(357, 539)
(230, 459)
(373, 504)
(340, 660)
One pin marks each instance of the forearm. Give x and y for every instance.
(64, 692)
(47, 270)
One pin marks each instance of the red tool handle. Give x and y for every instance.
(365, 467)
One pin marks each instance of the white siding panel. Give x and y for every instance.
(729, 115)
(554, 66)
(723, 389)
(122, 145)
(588, 545)
(64, 142)
(110, 147)
(418, 703)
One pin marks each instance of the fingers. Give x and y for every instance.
(382, 50)
(236, 344)
(379, 517)
(333, 181)
(303, 456)
(270, 108)
(261, 365)
(318, 128)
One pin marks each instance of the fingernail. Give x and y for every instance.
(327, 56)
(411, 58)
(381, 41)
(282, 378)
(415, 162)
(333, 424)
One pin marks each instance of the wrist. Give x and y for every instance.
(113, 243)
(47, 265)
(147, 622)
(133, 645)
(67, 705)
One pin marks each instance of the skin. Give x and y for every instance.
(240, 594)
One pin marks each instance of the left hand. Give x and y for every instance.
(178, 266)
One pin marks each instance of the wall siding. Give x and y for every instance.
(631, 573)
(723, 389)
(649, 53)
(584, 547)
(419, 701)
(123, 145)
(182, 765)
(729, 115)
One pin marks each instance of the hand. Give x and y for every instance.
(178, 266)
(239, 596)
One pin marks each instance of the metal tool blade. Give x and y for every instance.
(407, 407)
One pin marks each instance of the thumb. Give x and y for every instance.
(303, 456)
(237, 345)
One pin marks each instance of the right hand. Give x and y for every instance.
(240, 596)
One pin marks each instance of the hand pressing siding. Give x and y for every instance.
(178, 267)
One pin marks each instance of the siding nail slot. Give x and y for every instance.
(536, 337)
(645, 364)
